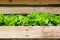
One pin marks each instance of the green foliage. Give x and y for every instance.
(33, 19)
(1, 19)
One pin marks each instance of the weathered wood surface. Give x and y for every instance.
(30, 32)
(30, 2)
(27, 10)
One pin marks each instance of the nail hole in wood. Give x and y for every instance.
(26, 30)
(10, 0)
(33, 9)
(35, 0)
(40, 2)
(27, 35)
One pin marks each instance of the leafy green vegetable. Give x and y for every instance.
(33, 19)
(1, 19)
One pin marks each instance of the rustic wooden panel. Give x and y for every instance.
(27, 10)
(20, 32)
(30, 2)
(29, 32)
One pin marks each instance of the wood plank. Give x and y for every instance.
(20, 32)
(30, 2)
(28, 10)
(29, 31)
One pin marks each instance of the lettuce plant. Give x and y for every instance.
(32, 19)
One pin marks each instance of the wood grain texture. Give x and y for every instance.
(28, 10)
(20, 32)
(30, 2)
(29, 31)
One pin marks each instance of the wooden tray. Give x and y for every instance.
(29, 31)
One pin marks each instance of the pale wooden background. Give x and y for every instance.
(27, 10)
